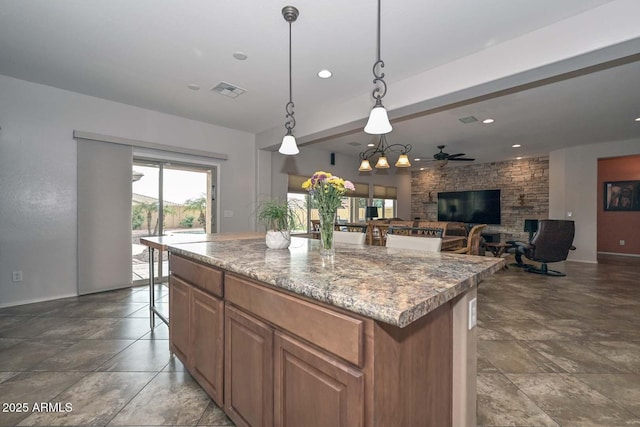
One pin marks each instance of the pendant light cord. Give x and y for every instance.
(291, 121)
(381, 86)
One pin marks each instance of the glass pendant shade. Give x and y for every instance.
(365, 166)
(289, 146)
(403, 161)
(378, 123)
(382, 163)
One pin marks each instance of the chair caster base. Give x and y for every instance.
(521, 265)
(543, 270)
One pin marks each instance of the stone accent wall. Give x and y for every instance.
(527, 176)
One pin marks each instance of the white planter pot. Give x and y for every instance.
(278, 239)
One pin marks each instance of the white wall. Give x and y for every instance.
(573, 181)
(38, 177)
(312, 159)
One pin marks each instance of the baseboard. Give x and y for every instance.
(112, 288)
(618, 254)
(31, 301)
(584, 261)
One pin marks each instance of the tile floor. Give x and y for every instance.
(551, 352)
(560, 351)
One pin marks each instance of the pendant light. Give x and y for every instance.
(289, 146)
(378, 119)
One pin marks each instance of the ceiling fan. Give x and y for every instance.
(443, 158)
(446, 156)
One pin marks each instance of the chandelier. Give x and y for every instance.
(382, 149)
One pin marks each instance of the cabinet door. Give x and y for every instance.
(179, 293)
(206, 347)
(248, 377)
(312, 388)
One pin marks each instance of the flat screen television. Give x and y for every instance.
(474, 207)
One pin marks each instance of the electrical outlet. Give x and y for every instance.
(473, 313)
(621, 242)
(17, 276)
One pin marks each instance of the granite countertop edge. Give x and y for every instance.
(367, 306)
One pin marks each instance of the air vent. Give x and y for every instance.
(353, 143)
(227, 89)
(469, 119)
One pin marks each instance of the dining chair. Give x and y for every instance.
(401, 227)
(377, 231)
(428, 244)
(355, 238)
(473, 241)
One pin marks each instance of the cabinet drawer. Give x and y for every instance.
(204, 277)
(332, 331)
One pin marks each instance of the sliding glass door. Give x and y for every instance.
(168, 198)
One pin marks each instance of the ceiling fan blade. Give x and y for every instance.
(459, 159)
(451, 156)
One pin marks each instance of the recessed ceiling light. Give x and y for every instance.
(518, 158)
(637, 119)
(240, 56)
(324, 74)
(416, 159)
(371, 144)
(193, 86)
(421, 169)
(516, 146)
(487, 121)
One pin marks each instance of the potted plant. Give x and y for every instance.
(279, 217)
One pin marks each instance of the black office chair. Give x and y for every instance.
(531, 227)
(552, 243)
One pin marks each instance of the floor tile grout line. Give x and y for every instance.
(616, 403)
(132, 397)
(531, 399)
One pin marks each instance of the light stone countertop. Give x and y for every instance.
(395, 286)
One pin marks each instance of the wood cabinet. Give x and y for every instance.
(179, 293)
(273, 377)
(206, 343)
(196, 324)
(248, 369)
(313, 389)
(272, 358)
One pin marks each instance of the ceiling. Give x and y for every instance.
(145, 52)
(596, 107)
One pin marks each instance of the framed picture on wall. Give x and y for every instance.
(622, 196)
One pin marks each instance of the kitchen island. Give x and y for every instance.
(374, 336)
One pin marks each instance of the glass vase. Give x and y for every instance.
(327, 224)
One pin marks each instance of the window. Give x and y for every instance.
(384, 198)
(386, 207)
